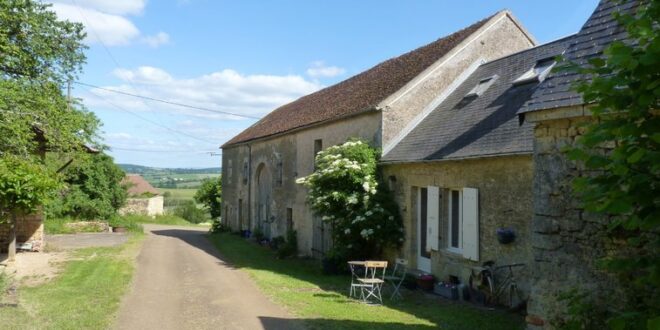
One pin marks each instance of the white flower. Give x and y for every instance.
(300, 180)
(352, 199)
(373, 191)
(325, 218)
(364, 233)
(368, 213)
(366, 187)
(347, 231)
(391, 217)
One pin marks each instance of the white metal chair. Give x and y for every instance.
(397, 276)
(357, 271)
(373, 280)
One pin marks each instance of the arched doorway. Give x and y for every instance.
(264, 197)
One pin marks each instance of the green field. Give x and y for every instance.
(177, 193)
(173, 177)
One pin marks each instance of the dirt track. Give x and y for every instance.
(182, 283)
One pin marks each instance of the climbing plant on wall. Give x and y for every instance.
(346, 191)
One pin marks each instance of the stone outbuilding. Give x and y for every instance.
(566, 241)
(143, 198)
(466, 170)
(261, 163)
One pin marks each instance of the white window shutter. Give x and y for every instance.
(471, 223)
(433, 218)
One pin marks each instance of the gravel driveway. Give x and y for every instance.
(83, 240)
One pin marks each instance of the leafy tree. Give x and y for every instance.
(210, 194)
(93, 189)
(23, 186)
(621, 152)
(345, 190)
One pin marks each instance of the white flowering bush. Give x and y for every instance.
(345, 191)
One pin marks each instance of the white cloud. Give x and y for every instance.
(320, 70)
(160, 38)
(226, 90)
(106, 21)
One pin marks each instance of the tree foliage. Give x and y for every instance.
(621, 152)
(92, 190)
(23, 186)
(345, 190)
(210, 195)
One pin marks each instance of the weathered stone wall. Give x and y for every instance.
(505, 200)
(566, 240)
(500, 37)
(29, 229)
(146, 206)
(295, 153)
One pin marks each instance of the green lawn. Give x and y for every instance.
(322, 303)
(85, 295)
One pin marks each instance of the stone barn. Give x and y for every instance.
(143, 198)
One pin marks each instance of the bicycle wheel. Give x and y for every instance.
(489, 287)
(517, 301)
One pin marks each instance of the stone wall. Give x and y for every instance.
(146, 206)
(566, 241)
(505, 200)
(29, 229)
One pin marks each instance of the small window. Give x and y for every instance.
(245, 171)
(229, 169)
(318, 146)
(280, 170)
(455, 221)
(538, 73)
(289, 219)
(481, 87)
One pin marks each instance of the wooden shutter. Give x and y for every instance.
(433, 218)
(471, 223)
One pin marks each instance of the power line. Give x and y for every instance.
(165, 101)
(151, 121)
(162, 151)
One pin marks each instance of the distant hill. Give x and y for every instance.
(172, 177)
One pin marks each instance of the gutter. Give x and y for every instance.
(426, 161)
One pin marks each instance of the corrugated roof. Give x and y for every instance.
(600, 30)
(358, 94)
(137, 185)
(462, 127)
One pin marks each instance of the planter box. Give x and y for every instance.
(448, 291)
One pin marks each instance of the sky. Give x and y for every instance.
(246, 58)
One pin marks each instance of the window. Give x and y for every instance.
(280, 170)
(318, 146)
(229, 169)
(289, 219)
(481, 87)
(245, 171)
(454, 221)
(538, 73)
(463, 222)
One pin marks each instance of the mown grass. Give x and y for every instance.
(85, 295)
(322, 302)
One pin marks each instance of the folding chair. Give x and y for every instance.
(357, 271)
(373, 280)
(397, 276)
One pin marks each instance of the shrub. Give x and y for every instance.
(218, 227)
(130, 222)
(346, 191)
(189, 211)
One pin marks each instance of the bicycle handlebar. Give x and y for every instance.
(510, 266)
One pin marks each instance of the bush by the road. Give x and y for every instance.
(189, 211)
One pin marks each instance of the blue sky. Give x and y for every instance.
(249, 57)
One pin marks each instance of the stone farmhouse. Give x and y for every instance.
(261, 163)
(465, 170)
(143, 198)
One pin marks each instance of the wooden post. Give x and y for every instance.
(11, 252)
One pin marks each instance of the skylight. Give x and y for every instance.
(538, 73)
(481, 87)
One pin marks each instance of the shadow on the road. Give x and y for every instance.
(274, 323)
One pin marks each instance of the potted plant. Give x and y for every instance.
(425, 282)
(506, 235)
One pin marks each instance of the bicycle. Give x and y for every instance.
(485, 281)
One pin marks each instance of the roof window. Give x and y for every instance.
(538, 73)
(481, 87)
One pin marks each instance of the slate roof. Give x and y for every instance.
(463, 127)
(137, 185)
(600, 30)
(358, 94)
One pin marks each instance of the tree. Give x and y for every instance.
(346, 191)
(92, 189)
(621, 152)
(210, 194)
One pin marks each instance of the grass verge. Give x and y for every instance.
(85, 295)
(322, 303)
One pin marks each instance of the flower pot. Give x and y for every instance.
(425, 282)
(506, 235)
(449, 291)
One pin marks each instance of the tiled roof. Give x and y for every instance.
(358, 94)
(462, 127)
(137, 185)
(600, 30)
